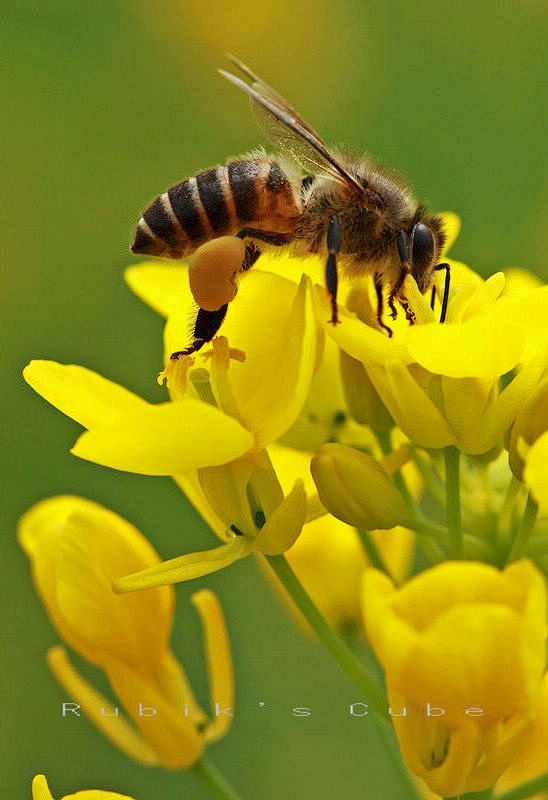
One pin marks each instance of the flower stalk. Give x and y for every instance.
(342, 654)
(519, 545)
(213, 780)
(452, 483)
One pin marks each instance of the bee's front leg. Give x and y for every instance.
(331, 278)
(403, 251)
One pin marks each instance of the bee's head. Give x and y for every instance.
(426, 242)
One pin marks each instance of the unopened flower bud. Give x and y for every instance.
(355, 488)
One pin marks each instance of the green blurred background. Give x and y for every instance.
(107, 103)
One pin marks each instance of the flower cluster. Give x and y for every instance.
(396, 485)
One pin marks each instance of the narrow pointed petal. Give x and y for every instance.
(81, 393)
(185, 568)
(166, 439)
(163, 287)
(99, 710)
(219, 662)
(283, 527)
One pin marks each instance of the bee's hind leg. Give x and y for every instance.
(331, 277)
(206, 326)
(208, 322)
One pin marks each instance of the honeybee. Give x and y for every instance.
(361, 216)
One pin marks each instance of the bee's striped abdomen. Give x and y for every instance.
(217, 202)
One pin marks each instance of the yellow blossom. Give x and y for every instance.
(227, 404)
(40, 791)
(76, 549)
(440, 383)
(463, 647)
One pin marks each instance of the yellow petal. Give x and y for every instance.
(536, 470)
(96, 794)
(484, 431)
(80, 393)
(475, 348)
(40, 788)
(166, 439)
(186, 568)
(40, 791)
(283, 527)
(173, 734)
(225, 490)
(163, 287)
(271, 392)
(219, 662)
(190, 485)
(355, 337)
(410, 406)
(99, 710)
(530, 760)
(77, 548)
(451, 229)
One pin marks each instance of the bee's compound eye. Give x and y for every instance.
(212, 270)
(422, 248)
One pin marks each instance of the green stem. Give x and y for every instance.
(371, 551)
(452, 497)
(215, 783)
(521, 541)
(475, 547)
(485, 795)
(348, 662)
(342, 654)
(429, 475)
(526, 790)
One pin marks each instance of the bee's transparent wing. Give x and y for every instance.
(289, 132)
(266, 90)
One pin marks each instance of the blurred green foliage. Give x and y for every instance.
(104, 105)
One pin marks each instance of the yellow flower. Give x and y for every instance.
(463, 647)
(40, 791)
(440, 383)
(328, 557)
(531, 422)
(212, 434)
(76, 549)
